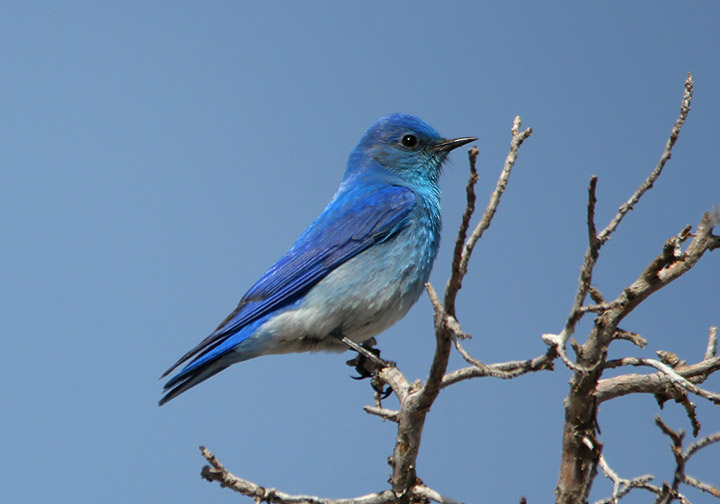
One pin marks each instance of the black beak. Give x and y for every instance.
(448, 145)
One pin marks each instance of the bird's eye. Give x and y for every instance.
(409, 141)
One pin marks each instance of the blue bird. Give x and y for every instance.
(355, 271)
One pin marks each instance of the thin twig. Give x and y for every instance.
(700, 444)
(460, 265)
(634, 338)
(503, 370)
(385, 414)
(691, 412)
(484, 369)
(592, 201)
(597, 241)
(452, 289)
(711, 349)
(666, 155)
(702, 486)
(669, 491)
(621, 486)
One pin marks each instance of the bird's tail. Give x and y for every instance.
(191, 376)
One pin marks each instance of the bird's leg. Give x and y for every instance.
(367, 363)
(365, 350)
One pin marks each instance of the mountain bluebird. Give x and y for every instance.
(355, 271)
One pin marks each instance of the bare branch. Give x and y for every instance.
(589, 260)
(443, 337)
(460, 263)
(597, 241)
(691, 411)
(692, 450)
(556, 341)
(385, 414)
(672, 375)
(666, 155)
(453, 287)
(448, 321)
(634, 338)
(432, 495)
(669, 492)
(621, 486)
(581, 404)
(704, 487)
(489, 370)
(597, 308)
(503, 370)
(711, 349)
(217, 472)
(579, 463)
(660, 384)
(700, 444)
(592, 201)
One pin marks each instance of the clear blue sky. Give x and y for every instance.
(157, 157)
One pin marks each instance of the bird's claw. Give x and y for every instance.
(368, 367)
(377, 385)
(368, 363)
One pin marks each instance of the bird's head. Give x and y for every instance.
(403, 147)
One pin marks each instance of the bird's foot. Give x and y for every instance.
(368, 363)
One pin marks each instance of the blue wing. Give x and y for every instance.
(353, 222)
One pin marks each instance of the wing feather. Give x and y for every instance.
(353, 222)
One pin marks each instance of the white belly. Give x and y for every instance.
(359, 299)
